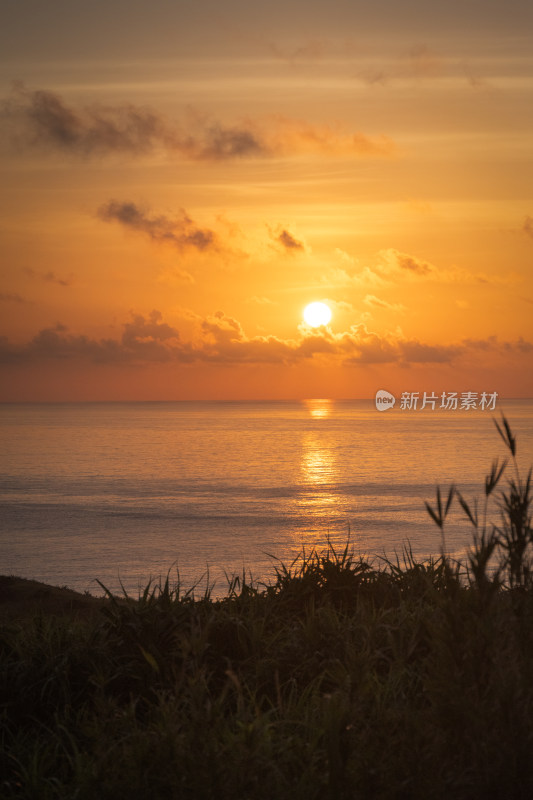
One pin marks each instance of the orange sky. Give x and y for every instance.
(179, 182)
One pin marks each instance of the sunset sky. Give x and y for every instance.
(180, 179)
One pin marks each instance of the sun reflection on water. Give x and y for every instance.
(319, 408)
(318, 463)
(318, 469)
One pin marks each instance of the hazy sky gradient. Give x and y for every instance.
(180, 179)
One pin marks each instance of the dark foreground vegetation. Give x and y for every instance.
(342, 679)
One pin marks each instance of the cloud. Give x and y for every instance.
(395, 264)
(260, 301)
(520, 345)
(151, 339)
(287, 136)
(289, 242)
(337, 277)
(395, 260)
(375, 77)
(341, 306)
(41, 119)
(312, 50)
(11, 297)
(350, 273)
(418, 63)
(49, 277)
(221, 339)
(376, 302)
(210, 140)
(144, 340)
(181, 232)
(391, 266)
(175, 276)
(416, 352)
(473, 79)
(362, 346)
(422, 62)
(527, 227)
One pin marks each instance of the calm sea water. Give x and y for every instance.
(127, 491)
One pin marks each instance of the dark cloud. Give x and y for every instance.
(413, 264)
(417, 63)
(289, 242)
(49, 277)
(521, 345)
(361, 346)
(473, 79)
(375, 77)
(220, 339)
(527, 227)
(42, 119)
(143, 340)
(217, 143)
(415, 352)
(223, 341)
(181, 232)
(312, 50)
(490, 343)
(422, 62)
(11, 297)
(395, 261)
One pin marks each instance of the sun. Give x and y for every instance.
(316, 314)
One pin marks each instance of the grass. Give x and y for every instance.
(343, 678)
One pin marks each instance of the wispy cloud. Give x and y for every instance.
(377, 302)
(422, 62)
(391, 267)
(11, 297)
(286, 136)
(346, 271)
(175, 276)
(395, 260)
(527, 227)
(49, 277)
(260, 301)
(473, 78)
(42, 119)
(181, 232)
(417, 63)
(311, 50)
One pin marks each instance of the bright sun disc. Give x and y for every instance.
(316, 314)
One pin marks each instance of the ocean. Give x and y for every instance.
(125, 492)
